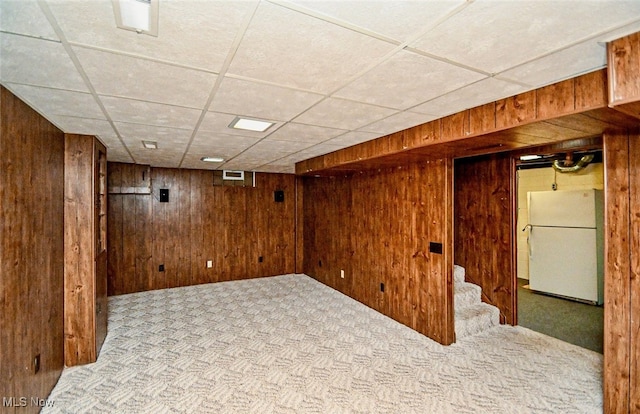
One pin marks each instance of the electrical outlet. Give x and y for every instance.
(382, 287)
(161, 268)
(342, 273)
(209, 264)
(260, 259)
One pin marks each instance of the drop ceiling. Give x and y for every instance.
(329, 74)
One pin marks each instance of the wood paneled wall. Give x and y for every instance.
(232, 226)
(85, 258)
(622, 273)
(483, 211)
(377, 226)
(31, 252)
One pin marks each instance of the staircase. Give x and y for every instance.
(472, 316)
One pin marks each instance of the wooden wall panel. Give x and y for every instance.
(483, 228)
(376, 226)
(634, 247)
(617, 317)
(31, 252)
(231, 226)
(299, 228)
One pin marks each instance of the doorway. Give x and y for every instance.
(564, 316)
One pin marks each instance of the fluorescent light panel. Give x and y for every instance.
(248, 124)
(212, 159)
(150, 144)
(529, 157)
(140, 16)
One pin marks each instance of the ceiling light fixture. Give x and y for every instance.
(248, 124)
(140, 16)
(212, 159)
(150, 144)
(529, 157)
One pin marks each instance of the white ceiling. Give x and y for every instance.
(330, 74)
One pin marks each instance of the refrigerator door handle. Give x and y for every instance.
(530, 227)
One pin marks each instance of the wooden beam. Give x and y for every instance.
(571, 109)
(623, 57)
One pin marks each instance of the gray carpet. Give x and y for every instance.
(289, 344)
(574, 322)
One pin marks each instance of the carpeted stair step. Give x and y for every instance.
(475, 319)
(466, 294)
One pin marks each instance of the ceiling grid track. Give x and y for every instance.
(72, 55)
(223, 71)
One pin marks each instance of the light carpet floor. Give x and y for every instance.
(289, 344)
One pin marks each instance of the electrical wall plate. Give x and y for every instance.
(435, 248)
(278, 196)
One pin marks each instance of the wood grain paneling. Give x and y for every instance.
(617, 318)
(634, 248)
(377, 226)
(85, 253)
(231, 226)
(624, 74)
(31, 252)
(483, 228)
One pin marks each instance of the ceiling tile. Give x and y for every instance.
(497, 35)
(320, 149)
(145, 80)
(340, 113)
(58, 101)
(399, 20)
(585, 57)
(226, 146)
(305, 133)
(277, 169)
(149, 113)
(352, 138)
(118, 155)
(259, 100)
(38, 62)
(279, 149)
(487, 90)
(25, 17)
(195, 33)
(219, 123)
(244, 163)
(398, 122)
(165, 158)
(167, 138)
(407, 79)
(85, 126)
(290, 48)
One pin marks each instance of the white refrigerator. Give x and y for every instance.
(566, 244)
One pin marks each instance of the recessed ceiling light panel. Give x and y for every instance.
(255, 125)
(140, 16)
(150, 144)
(212, 159)
(529, 157)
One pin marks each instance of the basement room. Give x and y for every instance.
(371, 206)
